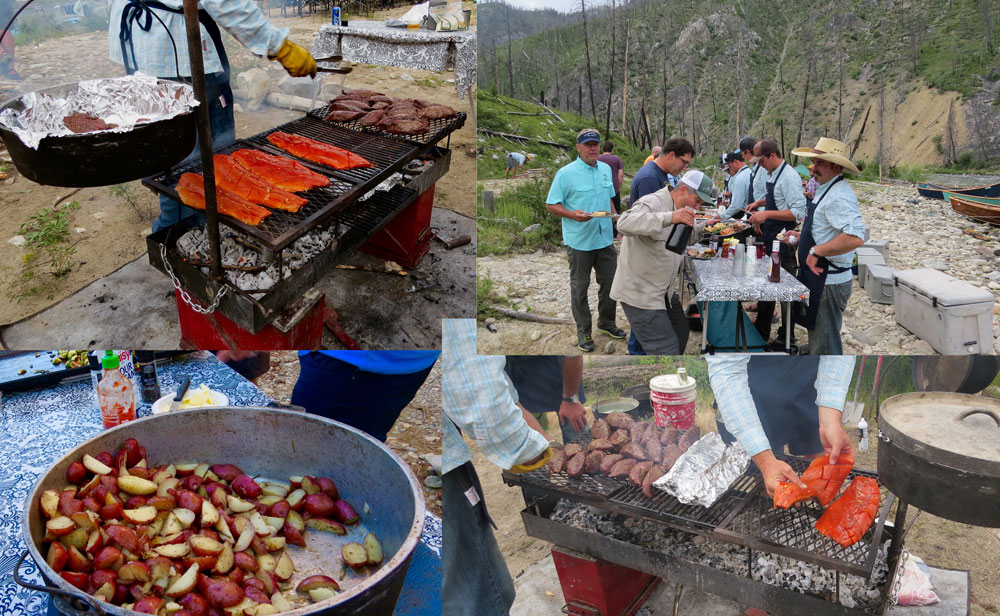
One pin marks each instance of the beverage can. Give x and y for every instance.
(335, 15)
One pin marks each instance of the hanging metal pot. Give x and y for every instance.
(940, 452)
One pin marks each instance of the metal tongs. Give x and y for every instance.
(340, 70)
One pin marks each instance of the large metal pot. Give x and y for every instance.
(941, 453)
(101, 158)
(965, 374)
(274, 444)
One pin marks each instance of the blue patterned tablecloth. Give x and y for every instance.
(39, 426)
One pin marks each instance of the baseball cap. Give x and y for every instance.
(737, 155)
(587, 136)
(701, 184)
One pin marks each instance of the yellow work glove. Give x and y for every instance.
(524, 468)
(296, 60)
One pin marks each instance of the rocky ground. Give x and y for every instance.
(922, 233)
(415, 436)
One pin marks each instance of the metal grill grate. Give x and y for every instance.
(791, 532)
(439, 129)
(666, 508)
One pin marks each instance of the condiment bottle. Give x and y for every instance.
(725, 249)
(774, 271)
(114, 393)
(149, 385)
(738, 254)
(713, 243)
(750, 260)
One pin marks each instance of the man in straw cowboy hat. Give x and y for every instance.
(832, 230)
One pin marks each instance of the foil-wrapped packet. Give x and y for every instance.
(705, 471)
(123, 101)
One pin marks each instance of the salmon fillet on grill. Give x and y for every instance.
(232, 176)
(847, 520)
(191, 190)
(823, 481)
(317, 151)
(282, 172)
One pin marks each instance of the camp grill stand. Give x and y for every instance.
(743, 516)
(335, 204)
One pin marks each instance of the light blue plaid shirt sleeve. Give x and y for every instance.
(478, 399)
(739, 186)
(788, 193)
(728, 376)
(838, 212)
(154, 55)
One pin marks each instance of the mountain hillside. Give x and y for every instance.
(796, 71)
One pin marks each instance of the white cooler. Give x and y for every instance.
(952, 316)
(878, 283)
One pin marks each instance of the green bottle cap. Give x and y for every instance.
(110, 360)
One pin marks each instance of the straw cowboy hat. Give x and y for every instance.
(829, 150)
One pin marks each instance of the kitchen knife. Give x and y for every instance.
(176, 402)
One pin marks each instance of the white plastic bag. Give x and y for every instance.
(448, 16)
(915, 586)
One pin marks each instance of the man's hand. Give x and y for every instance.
(832, 435)
(758, 217)
(579, 215)
(788, 235)
(683, 215)
(296, 60)
(712, 221)
(812, 262)
(574, 413)
(775, 471)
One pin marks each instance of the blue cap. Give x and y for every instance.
(590, 135)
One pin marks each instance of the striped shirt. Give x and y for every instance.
(478, 398)
(154, 55)
(728, 376)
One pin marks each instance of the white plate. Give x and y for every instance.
(163, 404)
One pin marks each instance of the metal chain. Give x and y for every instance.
(899, 575)
(184, 294)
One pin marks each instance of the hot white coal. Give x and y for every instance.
(385, 185)
(238, 251)
(775, 570)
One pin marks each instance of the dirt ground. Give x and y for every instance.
(941, 543)
(416, 433)
(106, 231)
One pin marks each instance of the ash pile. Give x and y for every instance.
(803, 577)
(247, 265)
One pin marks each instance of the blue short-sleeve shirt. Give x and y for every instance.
(838, 212)
(578, 186)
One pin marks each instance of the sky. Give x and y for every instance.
(566, 6)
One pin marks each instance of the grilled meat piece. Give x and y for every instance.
(622, 468)
(379, 105)
(372, 118)
(282, 172)
(654, 450)
(610, 460)
(593, 464)
(638, 473)
(600, 444)
(232, 176)
(575, 464)
(823, 481)
(317, 151)
(380, 98)
(637, 430)
(847, 520)
(600, 429)
(633, 450)
(689, 438)
(404, 126)
(191, 189)
(619, 438)
(86, 123)
(654, 473)
(438, 112)
(669, 435)
(360, 92)
(556, 463)
(343, 115)
(419, 102)
(670, 454)
(620, 420)
(350, 105)
(572, 449)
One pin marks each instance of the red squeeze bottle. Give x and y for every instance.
(775, 274)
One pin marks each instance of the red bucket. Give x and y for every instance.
(673, 401)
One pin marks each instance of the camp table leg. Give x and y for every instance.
(704, 329)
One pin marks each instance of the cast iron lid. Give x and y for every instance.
(961, 431)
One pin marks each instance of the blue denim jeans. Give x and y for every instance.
(223, 126)
(824, 339)
(475, 576)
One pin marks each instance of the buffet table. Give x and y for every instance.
(371, 42)
(39, 426)
(714, 281)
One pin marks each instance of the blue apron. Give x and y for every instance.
(801, 314)
(770, 227)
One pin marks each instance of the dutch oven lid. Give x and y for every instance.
(957, 430)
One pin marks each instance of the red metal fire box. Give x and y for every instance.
(405, 239)
(299, 327)
(594, 587)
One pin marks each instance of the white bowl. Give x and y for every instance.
(163, 404)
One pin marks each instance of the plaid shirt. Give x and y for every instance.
(154, 55)
(728, 375)
(478, 398)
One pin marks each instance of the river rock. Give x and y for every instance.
(934, 264)
(862, 337)
(609, 348)
(531, 228)
(535, 335)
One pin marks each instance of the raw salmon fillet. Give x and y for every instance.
(822, 478)
(318, 152)
(232, 176)
(191, 189)
(282, 172)
(847, 520)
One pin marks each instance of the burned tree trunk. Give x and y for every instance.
(586, 46)
(611, 78)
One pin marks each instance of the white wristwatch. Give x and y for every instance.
(812, 251)
(575, 399)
